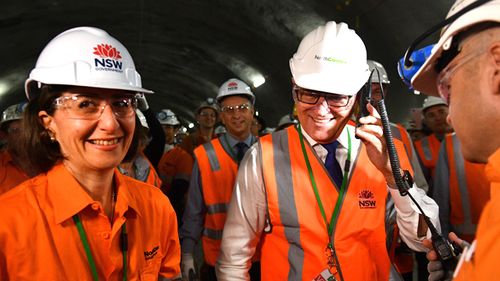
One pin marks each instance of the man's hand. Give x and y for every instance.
(187, 266)
(372, 135)
(435, 267)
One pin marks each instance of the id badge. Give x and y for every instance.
(325, 275)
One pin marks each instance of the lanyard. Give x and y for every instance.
(329, 226)
(90, 258)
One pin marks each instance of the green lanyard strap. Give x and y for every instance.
(88, 253)
(329, 226)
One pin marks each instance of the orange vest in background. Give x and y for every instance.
(295, 246)
(218, 175)
(428, 151)
(10, 175)
(468, 190)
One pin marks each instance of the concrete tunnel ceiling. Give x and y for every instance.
(184, 50)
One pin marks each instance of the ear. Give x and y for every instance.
(46, 119)
(495, 53)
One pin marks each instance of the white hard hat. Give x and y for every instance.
(287, 120)
(209, 103)
(233, 87)
(432, 101)
(87, 57)
(142, 118)
(220, 130)
(425, 79)
(167, 117)
(13, 112)
(373, 65)
(331, 58)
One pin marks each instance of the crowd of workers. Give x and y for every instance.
(94, 185)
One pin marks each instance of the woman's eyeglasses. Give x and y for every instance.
(92, 107)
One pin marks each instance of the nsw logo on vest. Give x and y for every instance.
(366, 199)
(109, 58)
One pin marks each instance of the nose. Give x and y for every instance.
(322, 105)
(108, 119)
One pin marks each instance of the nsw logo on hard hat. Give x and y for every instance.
(231, 86)
(109, 58)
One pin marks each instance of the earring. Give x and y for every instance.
(51, 136)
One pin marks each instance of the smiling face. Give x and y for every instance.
(322, 122)
(92, 144)
(237, 116)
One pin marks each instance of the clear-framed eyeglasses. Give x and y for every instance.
(230, 109)
(444, 77)
(91, 107)
(312, 97)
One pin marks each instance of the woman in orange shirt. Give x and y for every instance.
(80, 219)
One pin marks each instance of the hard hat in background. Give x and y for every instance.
(87, 57)
(234, 87)
(167, 117)
(220, 130)
(331, 58)
(432, 101)
(425, 79)
(373, 65)
(208, 103)
(142, 118)
(285, 121)
(12, 113)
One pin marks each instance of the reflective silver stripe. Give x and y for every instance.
(217, 208)
(212, 233)
(427, 149)
(286, 203)
(396, 134)
(467, 227)
(212, 156)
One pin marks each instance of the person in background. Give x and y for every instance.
(258, 125)
(285, 121)
(206, 118)
(464, 70)
(434, 111)
(460, 189)
(139, 167)
(14, 169)
(314, 195)
(80, 219)
(170, 125)
(213, 177)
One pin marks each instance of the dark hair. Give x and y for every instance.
(140, 135)
(38, 149)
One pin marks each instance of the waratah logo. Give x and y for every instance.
(366, 199)
(109, 58)
(107, 51)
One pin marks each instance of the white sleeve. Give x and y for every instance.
(246, 219)
(408, 216)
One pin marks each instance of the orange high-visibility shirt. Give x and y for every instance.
(175, 164)
(483, 263)
(39, 239)
(10, 174)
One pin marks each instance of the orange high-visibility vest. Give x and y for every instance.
(218, 175)
(294, 249)
(428, 150)
(461, 189)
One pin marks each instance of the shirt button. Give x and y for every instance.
(105, 235)
(95, 206)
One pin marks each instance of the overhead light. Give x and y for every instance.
(4, 87)
(257, 80)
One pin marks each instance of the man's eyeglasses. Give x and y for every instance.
(92, 107)
(444, 78)
(243, 108)
(312, 97)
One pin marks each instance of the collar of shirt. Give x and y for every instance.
(341, 153)
(233, 141)
(492, 168)
(69, 198)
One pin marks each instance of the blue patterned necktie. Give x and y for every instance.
(331, 163)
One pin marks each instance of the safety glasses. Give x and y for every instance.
(312, 97)
(91, 107)
(243, 108)
(444, 78)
